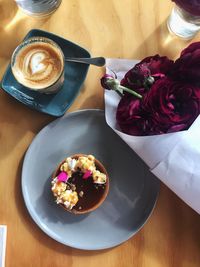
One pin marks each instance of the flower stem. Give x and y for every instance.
(130, 91)
(114, 84)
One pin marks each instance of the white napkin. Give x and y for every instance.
(3, 233)
(174, 158)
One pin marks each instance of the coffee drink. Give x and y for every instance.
(38, 64)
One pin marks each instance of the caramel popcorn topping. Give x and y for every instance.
(76, 181)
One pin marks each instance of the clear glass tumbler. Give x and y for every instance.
(38, 7)
(183, 23)
(38, 64)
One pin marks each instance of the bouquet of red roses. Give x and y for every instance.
(156, 112)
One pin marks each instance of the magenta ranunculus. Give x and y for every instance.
(167, 107)
(191, 6)
(130, 116)
(137, 78)
(187, 67)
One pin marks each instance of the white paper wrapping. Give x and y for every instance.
(174, 158)
(3, 233)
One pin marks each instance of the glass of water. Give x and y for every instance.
(38, 7)
(184, 20)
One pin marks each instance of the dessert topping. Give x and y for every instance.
(85, 163)
(62, 177)
(58, 187)
(63, 186)
(81, 193)
(68, 166)
(99, 177)
(87, 174)
(69, 198)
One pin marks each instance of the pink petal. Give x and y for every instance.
(62, 177)
(87, 174)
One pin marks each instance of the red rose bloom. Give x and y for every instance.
(154, 66)
(168, 106)
(130, 116)
(187, 67)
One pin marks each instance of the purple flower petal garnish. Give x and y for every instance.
(87, 174)
(62, 177)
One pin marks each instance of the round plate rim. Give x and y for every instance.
(50, 233)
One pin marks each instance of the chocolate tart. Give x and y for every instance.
(93, 194)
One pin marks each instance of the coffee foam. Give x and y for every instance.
(38, 65)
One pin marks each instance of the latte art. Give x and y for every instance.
(38, 65)
(37, 62)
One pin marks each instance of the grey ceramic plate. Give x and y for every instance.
(133, 189)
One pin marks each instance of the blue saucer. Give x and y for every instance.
(54, 104)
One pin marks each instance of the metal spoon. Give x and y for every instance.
(97, 61)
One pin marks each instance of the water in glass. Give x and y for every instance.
(183, 24)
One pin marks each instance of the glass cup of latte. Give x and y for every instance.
(38, 64)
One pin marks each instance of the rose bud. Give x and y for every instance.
(104, 81)
(109, 82)
(149, 69)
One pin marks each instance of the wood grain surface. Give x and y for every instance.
(114, 28)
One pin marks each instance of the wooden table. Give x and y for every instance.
(118, 29)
